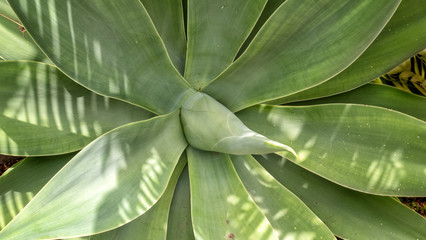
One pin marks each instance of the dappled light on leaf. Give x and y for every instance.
(166, 102)
(300, 46)
(72, 34)
(378, 58)
(60, 115)
(284, 210)
(344, 211)
(222, 201)
(153, 223)
(106, 175)
(341, 140)
(16, 192)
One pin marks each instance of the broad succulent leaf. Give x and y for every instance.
(216, 30)
(15, 42)
(23, 182)
(167, 16)
(367, 148)
(315, 34)
(287, 214)
(221, 208)
(60, 115)
(180, 223)
(132, 64)
(349, 214)
(402, 37)
(268, 10)
(117, 178)
(378, 95)
(207, 68)
(153, 223)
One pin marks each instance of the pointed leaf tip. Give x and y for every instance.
(210, 126)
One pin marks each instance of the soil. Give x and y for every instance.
(418, 204)
(7, 162)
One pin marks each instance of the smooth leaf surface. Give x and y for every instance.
(216, 31)
(152, 225)
(349, 214)
(378, 95)
(130, 64)
(221, 207)
(402, 37)
(301, 45)
(288, 215)
(180, 224)
(19, 185)
(117, 177)
(210, 126)
(167, 17)
(7, 10)
(61, 116)
(14, 45)
(367, 148)
(270, 7)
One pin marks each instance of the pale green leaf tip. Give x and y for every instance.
(282, 147)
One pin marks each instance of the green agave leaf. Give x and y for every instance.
(349, 214)
(270, 7)
(290, 217)
(167, 16)
(7, 10)
(402, 37)
(38, 100)
(216, 31)
(117, 177)
(19, 185)
(14, 44)
(180, 224)
(378, 95)
(221, 208)
(153, 223)
(210, 126)
(130, 64)
(301, 45)
(367, 148)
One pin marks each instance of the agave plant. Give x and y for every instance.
(210, 119)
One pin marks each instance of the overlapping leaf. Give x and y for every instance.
(381, 96)
(402, 37)
(289, 216)
(167, 17)
(39, 101)
(153, 223)
(15, 43)
(216, 30)
(367, 148)
(221, 208)
(349, 214)
(131, 63)
(18, 187)
(180, 223)
(301, 45)
(117, 178)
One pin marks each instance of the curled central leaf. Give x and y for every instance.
(210, 126)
